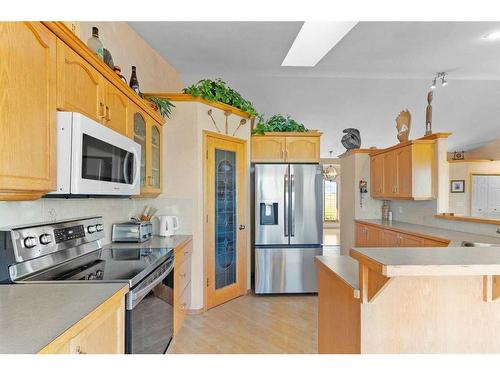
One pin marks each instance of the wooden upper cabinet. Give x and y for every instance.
(79, 85)
(268, 149)
(116, 108)
(406, 171)
(390, 173)
(377, 176)
(403, 188)
(302, 149)
(28, 110)
(148, 133)
(286, 148)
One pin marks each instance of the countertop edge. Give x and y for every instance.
(120, 293)
(320, 260)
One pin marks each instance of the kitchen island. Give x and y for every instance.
(410, 300)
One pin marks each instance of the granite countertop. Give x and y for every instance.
(345, 267)
(430, 261)
(156, 242)
(455, 237)
(33, 315)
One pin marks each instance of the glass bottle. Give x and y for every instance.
(134, 83)
(95, 44)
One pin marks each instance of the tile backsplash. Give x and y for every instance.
(113, 210)
(422, 213)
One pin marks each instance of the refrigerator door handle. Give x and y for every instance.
(285, 207)
(292, 204)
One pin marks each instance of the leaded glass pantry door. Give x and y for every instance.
(225, 209)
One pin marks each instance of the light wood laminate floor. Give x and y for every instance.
(252, 324)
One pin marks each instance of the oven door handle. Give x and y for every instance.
(137, 296)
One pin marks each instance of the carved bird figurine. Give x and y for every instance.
(351, 139)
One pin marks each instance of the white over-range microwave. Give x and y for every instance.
(94, 160)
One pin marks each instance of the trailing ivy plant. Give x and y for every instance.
(278, 123)
(163, 105)
(217, 90)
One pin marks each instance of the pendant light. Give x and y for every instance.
(330, 173)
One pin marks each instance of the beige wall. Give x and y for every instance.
(490, 151)
(184, 176)
(460, 202)
(355, 167)
(155, 74)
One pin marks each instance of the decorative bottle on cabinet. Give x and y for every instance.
(95, 44)
(134, 83)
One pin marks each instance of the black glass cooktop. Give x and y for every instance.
(121, 265)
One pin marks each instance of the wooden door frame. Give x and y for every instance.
(243, 273)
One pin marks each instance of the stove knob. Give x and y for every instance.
(99, 227)
(45, 239)
(91, 228)
(30, 242)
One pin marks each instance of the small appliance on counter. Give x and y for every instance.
(132, 231)
(168, 225)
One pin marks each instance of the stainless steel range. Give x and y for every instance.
(71, 251)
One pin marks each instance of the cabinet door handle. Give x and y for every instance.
(101, 110)
(79, 350)
(108, 113)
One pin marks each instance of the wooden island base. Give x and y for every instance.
(410, 301)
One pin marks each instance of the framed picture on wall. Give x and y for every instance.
(457, 186)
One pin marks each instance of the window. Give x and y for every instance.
(330, 203)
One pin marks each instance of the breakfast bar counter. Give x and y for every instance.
(410, 300)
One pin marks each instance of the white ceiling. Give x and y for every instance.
(378, 69)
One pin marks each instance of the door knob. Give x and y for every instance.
(241, 227)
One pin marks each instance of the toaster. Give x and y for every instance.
(132, 231)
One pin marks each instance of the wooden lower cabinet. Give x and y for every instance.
(100, 332)
(368, 235)
(182, 283)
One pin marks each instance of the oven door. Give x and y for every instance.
(149, 317)
(103, 162)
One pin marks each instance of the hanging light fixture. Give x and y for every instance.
(442, 77)
(330, 173)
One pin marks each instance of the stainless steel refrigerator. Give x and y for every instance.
(288, 228)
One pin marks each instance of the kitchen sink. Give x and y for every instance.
(478, 244)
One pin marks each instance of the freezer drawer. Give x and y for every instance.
(285, 270)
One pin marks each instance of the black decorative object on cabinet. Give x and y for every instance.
(352, 139)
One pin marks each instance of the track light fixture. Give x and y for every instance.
(442, 77)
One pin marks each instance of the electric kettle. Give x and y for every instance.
(168, 225)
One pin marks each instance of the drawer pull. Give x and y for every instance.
(183, 275)
(186, 252)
